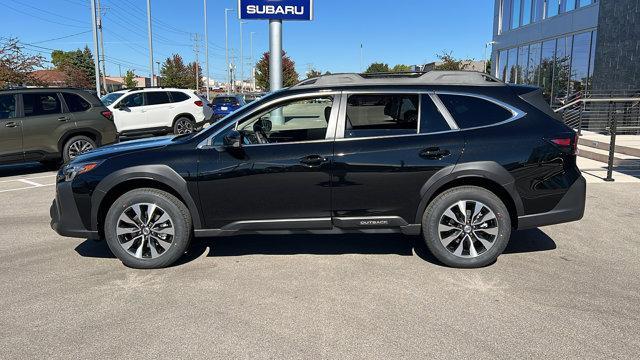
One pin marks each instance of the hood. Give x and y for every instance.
(124, 147)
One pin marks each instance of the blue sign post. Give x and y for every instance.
(275, 11)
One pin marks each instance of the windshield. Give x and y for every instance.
(110, 98)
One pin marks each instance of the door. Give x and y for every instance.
(43, 124)
(280, 177)
(159, 109)
(10, 130)
(130, 113)
(387, 147)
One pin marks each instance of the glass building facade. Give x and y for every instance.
(517, 13)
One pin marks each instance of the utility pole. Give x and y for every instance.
(150, 41)
(253, 72)
(120, 70)
(99, 23)
(158, 76)
(206, 48)
(95, 45)
(361, 57)
(226, 47)
(196, 48)
(241, 60)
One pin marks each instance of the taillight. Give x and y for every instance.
(567, 143)
(198, 103)
(108, 114)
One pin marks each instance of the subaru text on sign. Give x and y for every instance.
(276, 9)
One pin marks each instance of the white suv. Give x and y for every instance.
(157, 110)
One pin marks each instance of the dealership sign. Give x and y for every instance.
(276, 9)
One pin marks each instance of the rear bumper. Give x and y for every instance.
(65, 218)
(570, 208)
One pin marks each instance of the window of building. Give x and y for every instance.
(505, 16)
(177, 96)
(381, 115)
(568, 5)
(431, 120)
(593, 58)
(537, 10)
(521, 69)
(300, 120)
(526, 12)
(41, 104)
(533, 68)
(469, 112)
(580, 63)
(157, 98)
(134, 100)
(515, 14)
(502, 65)
(75, 103)
(512, 63)
(561, 69)
(7, 106)
(553, 8)
(546, 68)
(585, 2)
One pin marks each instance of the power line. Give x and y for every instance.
(60, 38)
(41, 18)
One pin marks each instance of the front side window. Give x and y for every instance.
(157, 98)
(36, 104)
(134, 100)
(296, 121)
(110, 98)
(470, 111)
(7, 107)
(381, 115)
(75, 103)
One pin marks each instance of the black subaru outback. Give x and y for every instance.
(457, 157)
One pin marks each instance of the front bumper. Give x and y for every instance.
(570, 208)
(65, 218)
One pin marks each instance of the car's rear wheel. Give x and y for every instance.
(183, 125)
(466, 227)
(148, 228)
(76, 146)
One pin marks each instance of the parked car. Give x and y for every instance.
(457, 157)
(142, 111)
(51, 124)
(224, 105)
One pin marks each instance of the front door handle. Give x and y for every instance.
(313, 161)
(63, 118)
(12, 124)
(434, 153)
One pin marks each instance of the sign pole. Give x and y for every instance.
(275, 63)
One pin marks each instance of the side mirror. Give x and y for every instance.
(233, 140)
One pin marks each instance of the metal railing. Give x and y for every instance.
(610, 113)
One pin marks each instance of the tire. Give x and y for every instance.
(475, 245)
(183, 125)
(76, 146)
(143, 244)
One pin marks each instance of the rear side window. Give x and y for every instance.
(157, 98)
(469, 111)
(36, 104)
(7, 107)
(381, 115)
(431, 120)
(75, 103)
(177, 96)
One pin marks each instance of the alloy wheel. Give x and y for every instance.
(184, 126)
(79, 147)
(145, 231)
(468, 228)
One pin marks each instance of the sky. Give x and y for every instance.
(395, 32)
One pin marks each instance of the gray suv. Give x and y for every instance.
(50, 124)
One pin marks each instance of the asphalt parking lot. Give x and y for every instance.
(566, 291)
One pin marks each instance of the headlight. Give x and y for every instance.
(72, 170)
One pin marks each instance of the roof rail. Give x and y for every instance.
(144, 87)
(436, 77)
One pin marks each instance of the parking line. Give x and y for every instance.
(26, 188)
(26, 181)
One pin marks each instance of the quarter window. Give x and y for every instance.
(7, 106)
(469, 111)
(41, 104)
(157, 98)
(133, 100)
(75, 103)
(381, 115)
(177, 96)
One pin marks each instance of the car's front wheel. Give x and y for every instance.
(148, 228)
(466, 227)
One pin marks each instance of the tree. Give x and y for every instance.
(401, 68)
(77, 65)
(174, 72)
(290, 76)
(16, 67)
(451, 63)
(378, 68)
(129, 81)
(312, 73)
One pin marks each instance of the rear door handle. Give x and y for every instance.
(312, 161)
(64, 118)
(434, 153)
(12, 124)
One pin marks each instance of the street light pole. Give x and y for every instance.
(226, 47)
(95, 46)
(485, 54)
(253, 85)
(206, 48)
(150, 41)
(275, 65)
(158, 78)
(241, 60)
